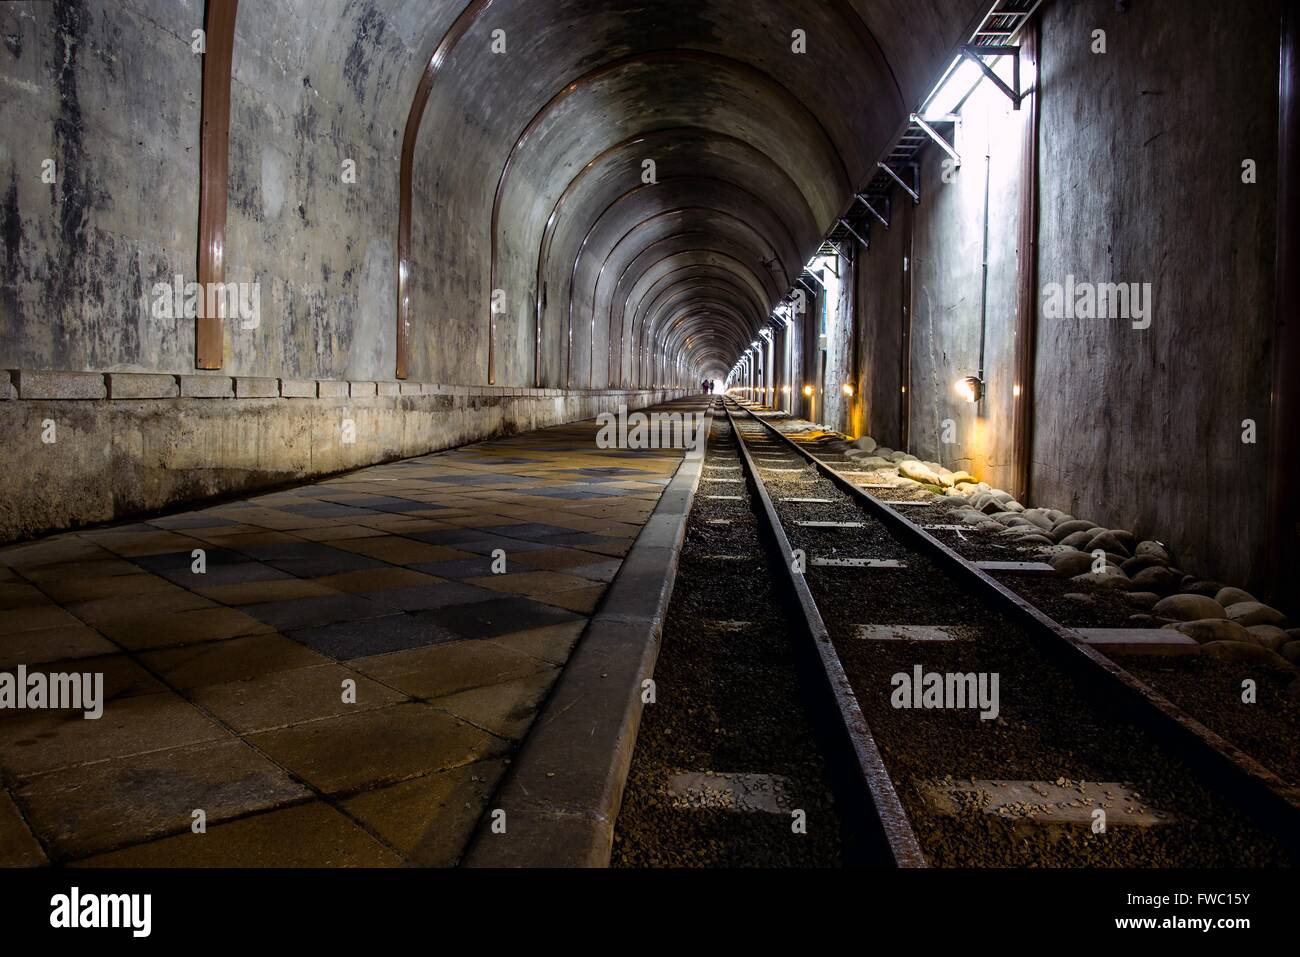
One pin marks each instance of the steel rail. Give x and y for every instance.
(1274, 803)
(894, 827)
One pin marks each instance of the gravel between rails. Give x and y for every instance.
(1210, 691)
(1049, 727)
(728, 700)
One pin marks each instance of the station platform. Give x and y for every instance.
(331, 674)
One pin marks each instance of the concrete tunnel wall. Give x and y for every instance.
(527, 162)
(1135, 428)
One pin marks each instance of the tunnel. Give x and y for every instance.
(649, 434)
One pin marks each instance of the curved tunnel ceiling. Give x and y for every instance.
(535, 158)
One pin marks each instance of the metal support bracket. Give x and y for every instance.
(931, 132)
(976, 52)
(865, 240)
(884, 217)
(913, 190)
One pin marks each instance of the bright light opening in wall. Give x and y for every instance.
(970, 388)
(953, 91)
(848, 389)
(808, 391)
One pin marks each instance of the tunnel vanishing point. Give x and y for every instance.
(308, 309)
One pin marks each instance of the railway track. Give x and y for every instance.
(730, 748)
(982, 731)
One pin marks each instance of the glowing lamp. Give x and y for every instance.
(971, 388)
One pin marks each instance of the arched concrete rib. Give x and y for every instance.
(873, 74)
(626, 236)
(779, 90)
(685, 297)
(632, 263)
(680, 133)
(701, 309)
(409, 137)
(636, 340)
(653, 297)
(708, 235)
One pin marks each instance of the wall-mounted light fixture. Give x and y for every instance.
(808, 391)
(847, 389)
(971, 388)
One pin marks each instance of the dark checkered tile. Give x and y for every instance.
(373, 636)
(488, 619)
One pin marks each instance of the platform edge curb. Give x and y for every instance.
(562, 794)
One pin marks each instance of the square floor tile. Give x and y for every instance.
(323, 564)
(445, 669)
(36, 618)
(282, 698)
(400, 551)
(461, 568)
(430, 819)
(18, 846)
(427, 597)
(487, 619)
(597, 571)
(582, 600)
(181, 628)
(530, 583)
(553, 643)
(559, 559)
(52, 644)
(300, 613)
(123, 676)
(218, 662)
(261, 592)
(38, 741)
(87, 810)
(531, 531)
(304, 835)
(375, 579)
(372, 636)
(356, 752)
(506, 708)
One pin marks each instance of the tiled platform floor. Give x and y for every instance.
(225, 690)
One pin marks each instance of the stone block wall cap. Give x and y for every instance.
(256, 387)
(142, 385)
(207, 387)
(33, 384)
(298, 388)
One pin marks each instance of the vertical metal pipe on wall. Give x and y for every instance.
(908, 214)
(214, 172)
(1027, 294)
(1284, 433)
